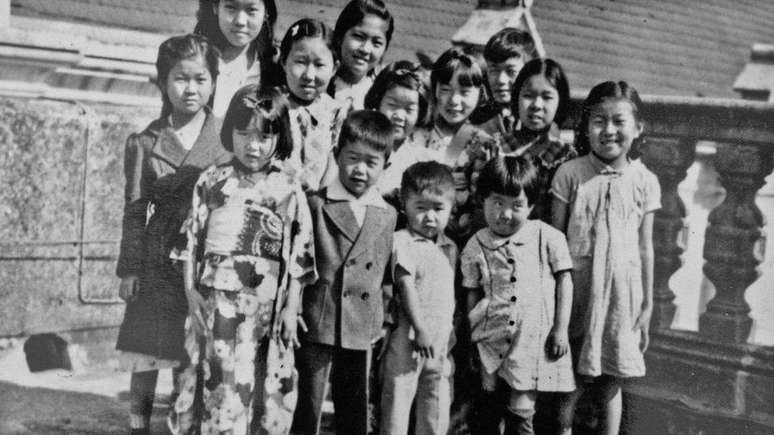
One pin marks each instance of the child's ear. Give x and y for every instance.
(640, 128)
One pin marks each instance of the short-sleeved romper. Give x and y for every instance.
(606, 209)
(510, 325)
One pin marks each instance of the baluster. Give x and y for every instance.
(669, 159)
(735, 241)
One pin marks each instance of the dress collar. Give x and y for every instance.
(337, 192)
(492, 241)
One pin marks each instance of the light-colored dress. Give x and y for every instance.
(352, 96)
(315, 129)
(511, 323)
(606, 209)
(249, 234)
(232, 76)
(410, 152)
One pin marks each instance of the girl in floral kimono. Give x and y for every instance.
(249, 253)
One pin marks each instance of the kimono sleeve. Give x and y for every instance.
(301, 263)
(136, 202)
(470, 264)
(194, 227)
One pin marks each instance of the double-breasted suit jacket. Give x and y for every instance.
(346, 306)
(160, 175)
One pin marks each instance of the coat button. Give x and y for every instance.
(365, 296)
(345, 294)
(512, 323)
(513, 279)
(368, 265)
(513, 298)
(511, 261)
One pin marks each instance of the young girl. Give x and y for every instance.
(605, 202)
(360, 37)
(399, 93)
(161, 165)
(315, 118)
(249, 252)
(541, 96)
(456, 82)
(516, 273)
(243, 30)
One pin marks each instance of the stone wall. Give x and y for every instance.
(61, 168)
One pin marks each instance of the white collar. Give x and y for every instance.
(337, 192)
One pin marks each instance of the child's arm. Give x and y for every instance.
(196, 303)
(410, 302)
(558, 343)
(560, 211)
(646, 261)
(291, 319)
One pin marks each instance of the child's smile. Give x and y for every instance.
(360, 166)
(363, 46)
(538, 103)
(612, 129)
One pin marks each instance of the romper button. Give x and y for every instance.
(511, 261)
(365, 296)
(345, 294)
(368, 265)
(513, 298)
(511, 323)
(501, 356)
(513, 279)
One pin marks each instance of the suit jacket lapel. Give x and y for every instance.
(341, 215)
(167, 146)
(373, 225)
(207, 146)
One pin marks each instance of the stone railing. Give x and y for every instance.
(712, 380)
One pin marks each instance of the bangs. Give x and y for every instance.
(454, 61)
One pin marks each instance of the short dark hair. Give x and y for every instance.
(354, 13)
(509, 175)
(600, 93)
(428, 176)
(451, 61)
(269, 106)
(178, 48)
(554, 74)
(508, 43)
(370, 127)
(401, 73)
(306, 28)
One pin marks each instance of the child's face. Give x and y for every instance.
(308, 68)
(501, 77)
(401, 106)
(360, 167)
(189, 86)
(240, 21)
(363, 46)
(428, 212)
(506, 214)
(455, 102)
(612, 129)
(538, 101)
(254, 147)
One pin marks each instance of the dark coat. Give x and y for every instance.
(160, 176)
(346, 306)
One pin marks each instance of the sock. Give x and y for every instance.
(141, 391)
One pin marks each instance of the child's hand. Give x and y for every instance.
(290, 323)
(196, 310)
(423, 344)
(643, 325)
(557, 344)
(129, 287)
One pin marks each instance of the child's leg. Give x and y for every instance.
(490, 405)
(609, 392)
(313, 362)
(349, 388)
(142, 387)
(520, 410)
(433, 401)
(400, 373)
(566, 409)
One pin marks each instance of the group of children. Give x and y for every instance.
(351, 226)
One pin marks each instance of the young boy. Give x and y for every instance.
(343, 312)
(505, 53)
(423, 263)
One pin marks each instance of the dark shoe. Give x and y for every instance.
(518, 425)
